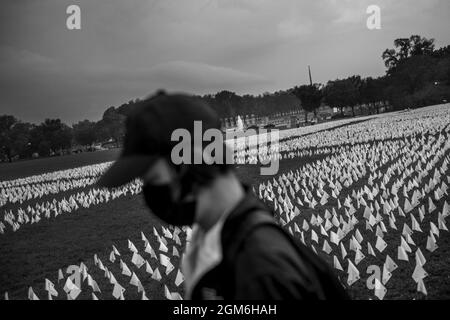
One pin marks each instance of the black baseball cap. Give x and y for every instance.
(148, 134)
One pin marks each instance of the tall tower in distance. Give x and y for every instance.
(310, 78)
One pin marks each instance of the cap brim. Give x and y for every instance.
(124, 170)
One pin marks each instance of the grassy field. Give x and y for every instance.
(37, 251)
(25, 168)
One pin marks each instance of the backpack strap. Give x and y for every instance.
(252, 221)
(328, 284)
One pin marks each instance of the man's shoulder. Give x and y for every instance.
(252, 234)
(268, 240)
(268, 247)
(274, 263)
(256, 229)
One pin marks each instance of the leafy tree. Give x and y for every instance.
(228, 101)
(51, 135)
(372, 92)
(405, 48)
(420, 80)
(84, 132)
(390, 58)
(229, 104)
(310, 97)
(339, 94)
(368, 92)
(420, 46)
(112, 125)
(354, 94)
(21, 137)
(7, 122)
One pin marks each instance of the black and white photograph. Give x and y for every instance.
(227, 150)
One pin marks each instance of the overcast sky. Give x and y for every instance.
(129, 49)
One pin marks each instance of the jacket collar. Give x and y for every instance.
(203, 253)
(205, 250)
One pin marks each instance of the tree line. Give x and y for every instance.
(416, 75)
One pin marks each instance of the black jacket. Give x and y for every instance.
(262, 261)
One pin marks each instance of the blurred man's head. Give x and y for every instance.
(171, 187)
(180, 194)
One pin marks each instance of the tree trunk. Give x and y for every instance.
(8, 154)
(353, 111)
(306, 118)
(342, 111)
(116, 141)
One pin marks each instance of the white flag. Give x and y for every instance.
(419, 273)
(125, 270)
(337, 264)
(149, 249)
(131, 246)
(179, 278)
(118, 291)
(50, 287)
(380, 290)
(112, 257)
(162, 246)
(148, 268)
(386, 275)
(136, 282)
(116, 252)
(421, 287)
(167, 293)
(402, 255)
(60, 275)
(31, 294)
(353, 273)
(156, 275)
(69, 285)
(420, 259)
(381, 244)
(137, 260)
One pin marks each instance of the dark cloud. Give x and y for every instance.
(127, 49)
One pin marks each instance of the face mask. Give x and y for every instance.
(159, 199)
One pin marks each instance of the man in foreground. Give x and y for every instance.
(236, 251)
